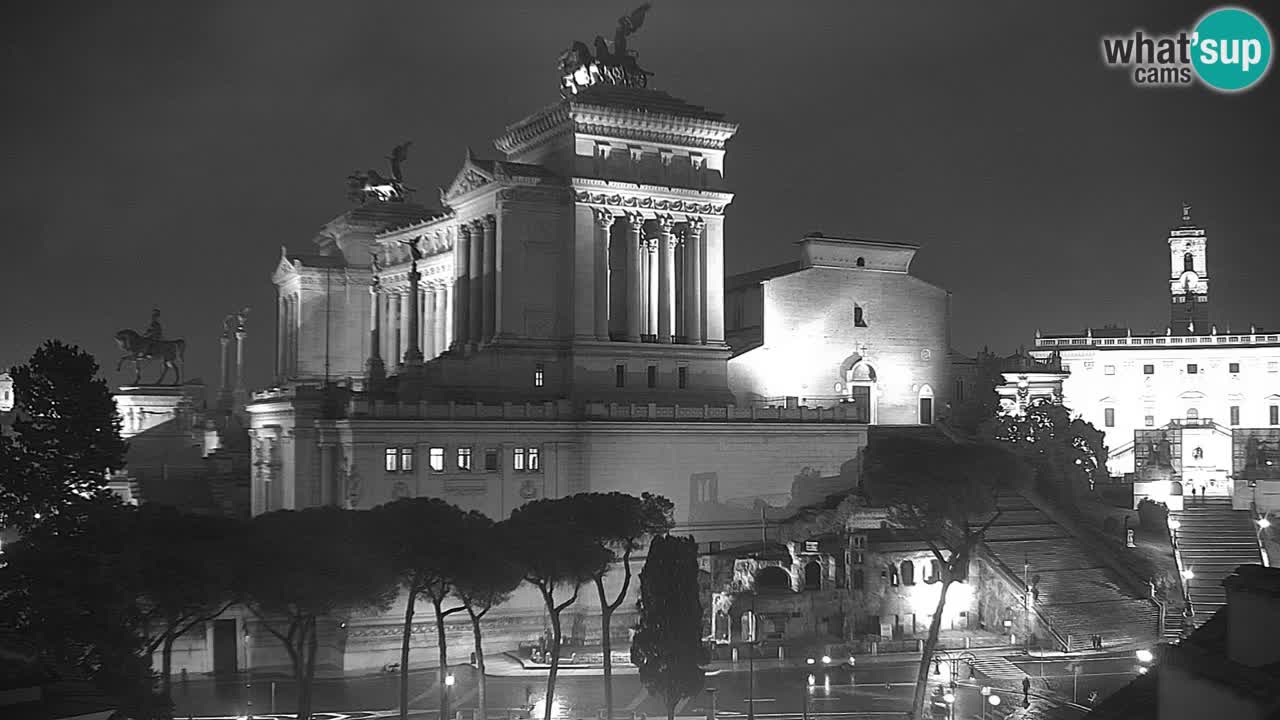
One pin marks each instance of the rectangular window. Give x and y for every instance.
(653, 376)
(959, 392)
(859, 316)
(857, 558)
(1149, 421)
(1233, 367)
(406, 459)
(1109, 369)
(390, 463)
(464, 459)
(860, 541)
(538, 375)
(1192, 368)
(1235, 414)
(682, 377)
(1275, 414)
(811, 546)
(535, 460)
(1148, 369)
(620, 375)
(517, 462)
(1109, 415)
(436, 458)
(490, 460)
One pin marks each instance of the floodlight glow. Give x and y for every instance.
(826, 659)
(852, 660)
(994, 700)
(1264, 523)
(448, 680)
(812, 679)
(949, 698)
(1145, 656)
(986, 691)
(1174, 524)
(1187, 574)
(810, 661)
(1142, 670)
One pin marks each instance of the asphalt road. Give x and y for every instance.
(872, 692)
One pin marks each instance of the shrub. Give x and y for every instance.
(1153, 515)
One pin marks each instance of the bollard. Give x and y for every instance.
(782, 653)
(735, 655)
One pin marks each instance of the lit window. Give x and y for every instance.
(535, 460)
(538, 375)
(406, 459)
(860, 541)
(490, 460)
(682, 377)
(1233, 367)
(620, 375)
(517, 462)
(1192, 368)
(1109, 417)
(1148, 369)
(1109, 369)
(811, 546)
(893, 576)
(653, 376)
(436, 459)
(390, 460)
(1275, 414)
(464, 458)
(1235, 414)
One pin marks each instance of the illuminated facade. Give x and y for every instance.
(1189, 389)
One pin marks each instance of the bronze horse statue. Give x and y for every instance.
(138, 347)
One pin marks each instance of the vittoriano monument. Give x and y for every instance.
(143, 347)
(579, 69)
(370, 185)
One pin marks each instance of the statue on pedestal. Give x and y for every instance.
(371, 185)
(140, 347)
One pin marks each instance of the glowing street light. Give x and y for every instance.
(810, 660)
(994, 700)
(1145, 656)
(1174, 524)
(812, 680)
(1187, 574)
(448, 680)
(826, 659)
(1263, 523)
(949, 698)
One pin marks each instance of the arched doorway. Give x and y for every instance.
(859, 381)
(813, 575)
(925, 401)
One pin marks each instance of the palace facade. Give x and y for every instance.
(1195, 406)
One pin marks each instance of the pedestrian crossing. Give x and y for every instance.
(997, 667)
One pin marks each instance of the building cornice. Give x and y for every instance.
(656, 198)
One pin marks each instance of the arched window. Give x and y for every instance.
(862, 262)
(813, 576)
(926, 405)
(1188, 262)
(773, 578)
(908, 572)
(1193, 414)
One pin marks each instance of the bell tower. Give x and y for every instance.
(1188, 278)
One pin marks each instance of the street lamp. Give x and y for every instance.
(1187, 574)
(448, 685)
(248, 668)
(1145, 656)
(711, 692)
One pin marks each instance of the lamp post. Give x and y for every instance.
(1263, 522)
(448, 685)
(248, 668)
(711, 694)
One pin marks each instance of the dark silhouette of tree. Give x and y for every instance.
(71, 586)
(667, 647)
(554, 551)
(307, 566)
(936, 489)
(1067, 454)
(969, 414)
(620, 523)
(189, 575)
(484, 582)
(425, 542)
(66, 438)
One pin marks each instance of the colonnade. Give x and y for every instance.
(662, 265)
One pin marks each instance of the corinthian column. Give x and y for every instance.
(490, 280)
(666, 279)
(441, 326)
(413, 353)
(475, 311)
(462, 287)
(428, 323)
(635, 290)
(651, 275)
(375, 368)
(604, 221)
(693, 303)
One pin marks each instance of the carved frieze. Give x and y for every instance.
(648, 203)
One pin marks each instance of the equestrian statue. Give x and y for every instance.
(143, 347)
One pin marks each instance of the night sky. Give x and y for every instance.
(161, 153)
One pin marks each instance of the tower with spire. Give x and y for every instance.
(1188, 278)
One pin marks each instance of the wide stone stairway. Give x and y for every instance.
(1079, 595)
(1213, 540)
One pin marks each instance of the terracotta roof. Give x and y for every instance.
(642, 100)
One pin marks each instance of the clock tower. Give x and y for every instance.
(1188, 278)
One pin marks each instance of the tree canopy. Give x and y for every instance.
(66, 438)
(668, 647)
(1067, 454)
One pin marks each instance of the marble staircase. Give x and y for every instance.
(1212, 541)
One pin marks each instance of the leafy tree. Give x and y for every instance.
(937, 489)
(71, 585)
(188, 575)
(620, 523)
(66, 438)
(425, 541)
(1066, 454)
(308, 565)
(554, 551)
(668, 647)
(485, 582)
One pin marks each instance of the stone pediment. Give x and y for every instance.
(469, 177)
